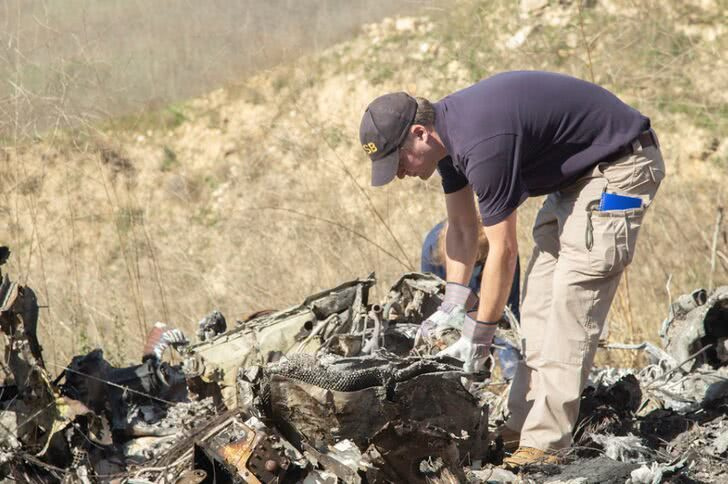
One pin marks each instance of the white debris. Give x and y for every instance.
(495, 474)
(720, 445)
(348, 453)
(654, 473)
(8, 431)
(6, 457)
(692, 391)
(142, 449)
(628, 448)
(646, 475)
(320, 477)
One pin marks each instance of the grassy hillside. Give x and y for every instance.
(67, 61)
(257, 195)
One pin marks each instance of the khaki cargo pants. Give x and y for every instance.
(571, 279)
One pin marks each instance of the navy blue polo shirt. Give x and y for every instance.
(527, 133)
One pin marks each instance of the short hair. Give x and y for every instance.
(425, 114)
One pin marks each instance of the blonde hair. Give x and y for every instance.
(438, 251)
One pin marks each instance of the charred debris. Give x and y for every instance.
(332, 390)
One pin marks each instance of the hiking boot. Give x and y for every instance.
(528, 455)
(510, 437)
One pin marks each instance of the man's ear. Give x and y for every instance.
(419, 131)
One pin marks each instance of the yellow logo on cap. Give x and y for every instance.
(369, 148)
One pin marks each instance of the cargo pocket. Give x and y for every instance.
(611, 238)
(568, 351)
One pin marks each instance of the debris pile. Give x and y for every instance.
(333, 390)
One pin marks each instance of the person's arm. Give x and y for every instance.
(461, 240)
(497, 280)
(476, 338)
(493, 172)
(461, 244)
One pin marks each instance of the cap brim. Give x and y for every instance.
(384, 170)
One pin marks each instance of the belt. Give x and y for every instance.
(645, 139)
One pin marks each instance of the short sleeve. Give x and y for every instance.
(452, 180)
(493, 169)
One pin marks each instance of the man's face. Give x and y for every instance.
(416, 156)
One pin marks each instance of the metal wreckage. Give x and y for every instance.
(332, 390)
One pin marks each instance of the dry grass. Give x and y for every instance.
(256, 195)
(82, 61)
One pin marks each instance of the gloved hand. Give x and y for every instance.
(473, 347)
(450, 314)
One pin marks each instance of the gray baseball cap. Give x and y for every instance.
(384, 127)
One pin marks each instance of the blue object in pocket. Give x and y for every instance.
(612, 201)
